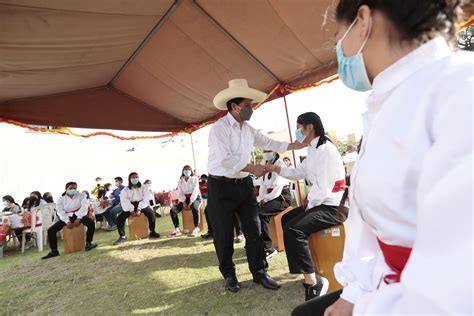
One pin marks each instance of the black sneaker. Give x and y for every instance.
(90, 246)
(52, 254)
(232, 284)
(154, 235)
(119, 241)
(207, 236)
(270, 253)
(318, 289)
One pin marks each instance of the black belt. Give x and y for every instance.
(230, 180)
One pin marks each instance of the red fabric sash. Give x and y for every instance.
(396, 258)
(339, 186)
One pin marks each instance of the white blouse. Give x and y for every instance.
(188, 187)
(322, 168)
(141, 194)
(412, 187)
(275, 183)
(68, 206)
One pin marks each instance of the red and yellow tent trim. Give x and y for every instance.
(278, 90)
(464, 25)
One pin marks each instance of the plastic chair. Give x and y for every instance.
(47, 219)
(36, 229)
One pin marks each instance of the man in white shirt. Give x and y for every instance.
(231, 190)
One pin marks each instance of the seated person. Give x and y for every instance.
(324, 169)
(10, 205)
(134, 199)
(72, 207)
(273, 198)
(48, 197)
(115, 208)
(188, 196)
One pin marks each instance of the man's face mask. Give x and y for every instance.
(246, 113)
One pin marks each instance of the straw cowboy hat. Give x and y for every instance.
(238, 88)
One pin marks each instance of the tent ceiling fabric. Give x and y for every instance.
(161, 62)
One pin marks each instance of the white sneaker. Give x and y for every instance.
(195, 232)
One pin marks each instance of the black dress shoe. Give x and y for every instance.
(266, 282)
(232, 284)
(121, 240)
(206, 236)
(154, 235)
(52, 254)
(90, 246)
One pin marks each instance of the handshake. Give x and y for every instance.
(260, 170)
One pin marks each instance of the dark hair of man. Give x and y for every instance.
(234, 100)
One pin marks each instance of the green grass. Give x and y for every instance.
(169, 276)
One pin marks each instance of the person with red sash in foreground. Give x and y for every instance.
(324, 169)
(403, 255)
(188, 194)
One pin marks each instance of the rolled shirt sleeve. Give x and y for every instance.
(60, 210)
(127, 206)
(195, 193)
(146, 197)
(83, 210)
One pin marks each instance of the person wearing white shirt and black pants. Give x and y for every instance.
(273, 198)
(408, 248)
(135, 198)
(188, 194)
(72, 209)
(231, 189)
(324, 169)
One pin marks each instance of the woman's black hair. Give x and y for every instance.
(25, 203)
(8, 198)
(203, 176)
(34, 202)
(185, 167)
(87, 194)
(234, 100)
(413, 20)
(312, 118)
(107, 186)
(48, 197)
(130, 185)
(67, 186)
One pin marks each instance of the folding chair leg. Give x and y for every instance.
(23, 240)
(39, 242)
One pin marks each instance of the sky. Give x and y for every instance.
(32, 161)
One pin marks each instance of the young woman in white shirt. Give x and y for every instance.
(135, 199)
(273, 197)
(324, 169)
(72, 211)
(188, 194)
(408, 246)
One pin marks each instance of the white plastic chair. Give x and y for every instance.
(36, 232)
(47, 219)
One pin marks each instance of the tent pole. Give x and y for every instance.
(192, 148)
(293, 152)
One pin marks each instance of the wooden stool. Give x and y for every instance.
(188, 221)
(138, 227)
(276, 230)
(74, 239)
(326, 248)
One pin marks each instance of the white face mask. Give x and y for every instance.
(5, 203)
(268, 156)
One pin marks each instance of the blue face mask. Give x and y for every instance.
(187, 173)
(71, 192)
(299, 135)
(352, 68)
(134, 181)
